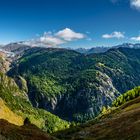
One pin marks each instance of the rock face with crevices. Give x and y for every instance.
(4, 62)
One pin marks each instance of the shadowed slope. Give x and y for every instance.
(122, 123)
(27, 132)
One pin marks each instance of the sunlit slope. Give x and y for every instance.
(19, 103)
(7, 114)
(15, 105)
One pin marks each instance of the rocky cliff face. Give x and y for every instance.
(87, 102)
(4, 62)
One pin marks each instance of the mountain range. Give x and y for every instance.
(18, 48)
(57, 88)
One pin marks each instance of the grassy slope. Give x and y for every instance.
(129, 95)
(10, 116)
(122, 123)
(18, 102)
(27, 132)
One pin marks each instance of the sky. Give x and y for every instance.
(70, 23)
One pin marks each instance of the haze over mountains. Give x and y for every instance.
(19, 47)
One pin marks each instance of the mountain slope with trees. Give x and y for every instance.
(16, 106)
(76, 86)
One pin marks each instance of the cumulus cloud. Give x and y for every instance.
(49, 39)
(137, 38)
(135, 4)
(69, 35)
(115, 34)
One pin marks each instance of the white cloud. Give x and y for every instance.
(135, 38)
(69, 35)
(49, 39)
(115, 34)
(135, 4)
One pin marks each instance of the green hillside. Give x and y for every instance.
(75, 86)
(15, 104)
(131, 94)
(19, 103)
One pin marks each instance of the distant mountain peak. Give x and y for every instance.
(128, 45)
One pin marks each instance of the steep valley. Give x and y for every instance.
(75, 86)
(16, 107)
(56, 89)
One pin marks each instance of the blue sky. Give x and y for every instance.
(70, 23)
